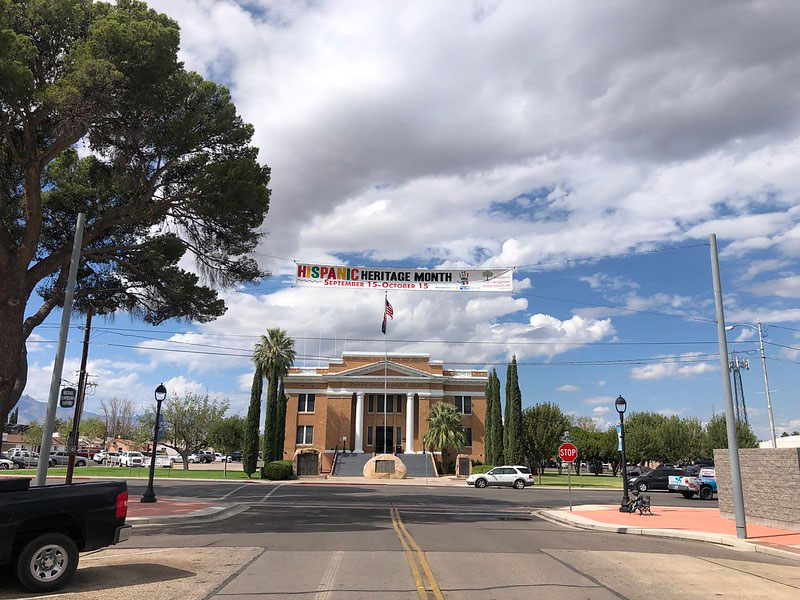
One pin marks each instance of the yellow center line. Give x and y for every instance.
(434, 585)
(421, 592)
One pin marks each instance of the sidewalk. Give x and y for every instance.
(704, 524)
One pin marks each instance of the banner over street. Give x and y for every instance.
(438, 280)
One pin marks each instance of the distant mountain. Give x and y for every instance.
(33, 410)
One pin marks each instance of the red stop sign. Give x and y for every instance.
(567, 452)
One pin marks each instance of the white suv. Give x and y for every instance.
(515, 476)
(131, 459)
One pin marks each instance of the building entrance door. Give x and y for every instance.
(380, 448)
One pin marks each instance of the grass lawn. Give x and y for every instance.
(133, 472)
(580, 480)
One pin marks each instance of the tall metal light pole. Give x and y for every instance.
(727, 397)
(150, 494)
(621, 405)
(757, 327)
(58, 363)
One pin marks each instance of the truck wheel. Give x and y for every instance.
(687, 495)
(47, 562)
(3, 466)
(706, 493)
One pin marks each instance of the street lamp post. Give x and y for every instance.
(621, 405)
(149, 495)
(764, 371)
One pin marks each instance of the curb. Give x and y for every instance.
(211, 513)
(559, 518)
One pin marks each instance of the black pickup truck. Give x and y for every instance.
(42, 529)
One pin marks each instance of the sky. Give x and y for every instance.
(593, 146)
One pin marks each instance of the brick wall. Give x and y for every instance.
(770, 485)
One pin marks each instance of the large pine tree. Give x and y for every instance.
(497, 424)
(280, 431)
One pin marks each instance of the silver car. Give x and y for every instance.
(515, 476)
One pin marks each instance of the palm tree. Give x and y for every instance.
(273, 354)
(444, 428)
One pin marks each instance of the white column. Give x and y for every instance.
(410, 423)
(359, 439)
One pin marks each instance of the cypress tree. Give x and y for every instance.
(507, 415)
(270, 418)
(516, 454)
(487, 419)
(280, 433)
(250, 450)
(497, 424)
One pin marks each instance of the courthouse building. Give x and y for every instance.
(343, 405)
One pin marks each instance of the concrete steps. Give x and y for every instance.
(416, 464)
(351, 465)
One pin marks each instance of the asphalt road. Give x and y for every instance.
(327, 494)
(336, 542)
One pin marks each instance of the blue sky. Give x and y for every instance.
(505, 134)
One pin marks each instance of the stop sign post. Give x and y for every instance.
(567, 452)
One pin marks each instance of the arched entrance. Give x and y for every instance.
(306, 462)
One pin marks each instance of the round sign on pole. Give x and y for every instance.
(68, 395)
(567, 452)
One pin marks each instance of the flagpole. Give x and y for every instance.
(385, 371)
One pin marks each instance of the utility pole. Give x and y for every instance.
(83, 378)
(58, 364)
(766, 385)
(727, 398)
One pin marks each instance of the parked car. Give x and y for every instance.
(162, 461)
(7, 464)
(31, 459)
(656, 479)
(219, 457)
(511, 476)
(635, 470)
(43, 529)
(99, 457)
(207, 456)
(235, 456)
(131, 459)
(111, 459)
(18, 462)
(62, 458)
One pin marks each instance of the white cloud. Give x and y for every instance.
(675, 366)
(567, 387)
(599, 410)
(758, 267)
(598, 400)
(601, 383)
(787, 286)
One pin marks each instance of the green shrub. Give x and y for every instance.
(277, 470)
(482, 469)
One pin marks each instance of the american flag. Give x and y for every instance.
(387, 311)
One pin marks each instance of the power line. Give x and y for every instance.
(118, 331)
(523, 266)
(622, 308)
(783, 327)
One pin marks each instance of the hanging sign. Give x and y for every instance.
(68, 395)
(619, 438)
(438, 280)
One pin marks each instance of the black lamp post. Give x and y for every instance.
(150, 494)
(621, 405)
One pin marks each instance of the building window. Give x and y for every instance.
(399, 440)
(464, 404)
(305, 435)
(380, 403)
(389, 404)
(369, 436)
(468, 437)
(305, 403)
(399, 404)
(370, 403)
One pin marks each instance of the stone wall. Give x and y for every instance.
(770, 485)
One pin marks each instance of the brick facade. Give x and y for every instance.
(770, 485)
(337, 387)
